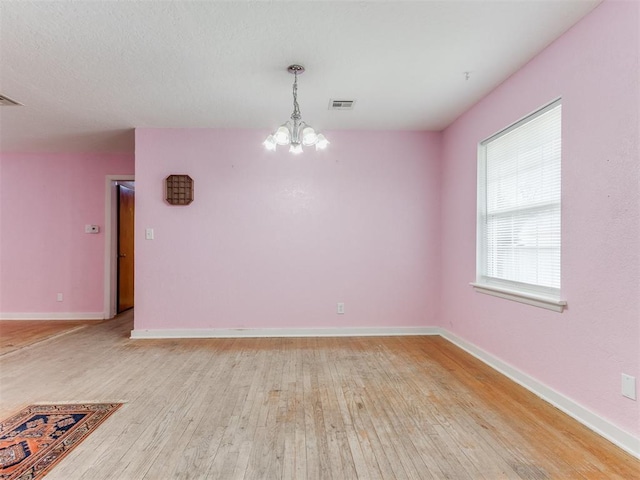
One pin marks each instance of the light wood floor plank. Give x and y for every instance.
(338, 372)
(340, 459)
(17, 334)
(298, 409)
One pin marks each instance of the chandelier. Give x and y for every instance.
(296, 132)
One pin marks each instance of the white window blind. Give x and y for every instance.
(519, 205)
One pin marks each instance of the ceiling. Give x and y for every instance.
(89, 72)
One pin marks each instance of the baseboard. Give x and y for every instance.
(283, 332)
(53, 316)
(619, 437)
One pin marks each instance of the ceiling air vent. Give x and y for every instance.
(7, 102)
(341, 104)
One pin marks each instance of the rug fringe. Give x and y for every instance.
(65, 402)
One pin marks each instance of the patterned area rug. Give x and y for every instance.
(39, 436)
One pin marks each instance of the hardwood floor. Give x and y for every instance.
(16, 334)
(299, 408)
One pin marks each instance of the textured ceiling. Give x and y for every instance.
(88, 72)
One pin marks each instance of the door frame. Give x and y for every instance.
(111, 243)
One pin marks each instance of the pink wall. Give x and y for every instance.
(275, 240)
(582, 352)
(384, 222)
(45, 202)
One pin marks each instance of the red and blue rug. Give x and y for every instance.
(33, 440)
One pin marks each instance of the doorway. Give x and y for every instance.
(111, 231)
(125, 248)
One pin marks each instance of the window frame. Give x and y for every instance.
(536, 295)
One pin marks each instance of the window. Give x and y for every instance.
(518, 243)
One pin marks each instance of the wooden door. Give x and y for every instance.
(126, 215)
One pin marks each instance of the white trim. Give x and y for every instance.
(522, 297)
(53, 316)
(283, 332)
(625, 440)
(523, 120)
(110, 242)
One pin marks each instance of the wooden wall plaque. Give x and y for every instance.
(179, 189)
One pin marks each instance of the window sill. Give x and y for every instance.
(527, 298)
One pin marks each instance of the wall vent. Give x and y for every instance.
(341, 104)
(7, 102)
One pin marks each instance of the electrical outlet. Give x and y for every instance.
(91, 229)
(148, 233)
(59, 297)
(629, 386)
(340, 308)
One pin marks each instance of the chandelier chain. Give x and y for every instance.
(296, 108)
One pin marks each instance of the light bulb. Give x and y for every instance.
(322, 142)
(282, 135)
(270, 143)
(309, 136)
(295, 148)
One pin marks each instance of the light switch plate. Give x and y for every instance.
(629, 386)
